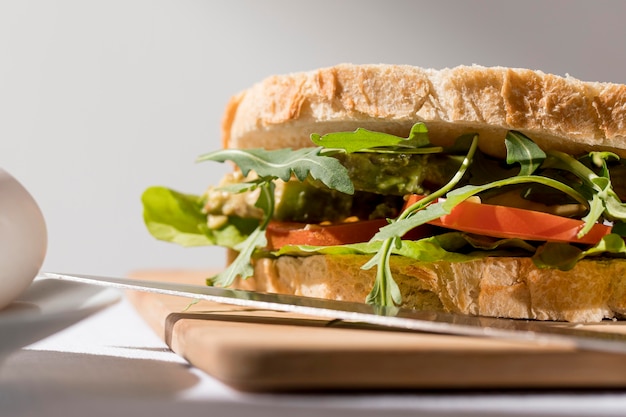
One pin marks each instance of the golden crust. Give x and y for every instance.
(557, 112)
(494, 286)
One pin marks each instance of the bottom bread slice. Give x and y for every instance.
(494, 286)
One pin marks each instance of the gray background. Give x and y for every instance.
(101, 99)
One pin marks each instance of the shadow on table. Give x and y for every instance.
(34, 373)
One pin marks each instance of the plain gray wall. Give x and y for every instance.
(101, 99)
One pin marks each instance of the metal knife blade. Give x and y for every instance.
(568, 335)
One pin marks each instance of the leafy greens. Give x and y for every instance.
(179, 217)
(366, 140)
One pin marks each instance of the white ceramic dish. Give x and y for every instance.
(47, 307)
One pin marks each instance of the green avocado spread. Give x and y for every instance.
(380, 182)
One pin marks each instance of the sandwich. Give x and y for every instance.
(477, 190)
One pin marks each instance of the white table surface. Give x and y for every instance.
(112, 364)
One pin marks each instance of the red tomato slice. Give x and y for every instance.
(511, 222)
(280, 234)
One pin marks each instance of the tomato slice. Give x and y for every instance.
(512, 222)
(280, 234)
(468, 216)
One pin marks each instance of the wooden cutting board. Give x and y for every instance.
(256, 350)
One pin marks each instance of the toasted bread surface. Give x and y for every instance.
(494, 286)
(558, 112)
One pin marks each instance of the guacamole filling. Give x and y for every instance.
(380, 182)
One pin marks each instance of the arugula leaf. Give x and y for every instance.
(599, 159)
(385, 291)
(242, 266)
(417, 218)
(423, 211)
(178, 218)
(269, 166)
(520, 149)
(282, 163)
(603, 199)
(596, 209)
(418, 137)
(463, 193)
(363, 139)
(614, 208)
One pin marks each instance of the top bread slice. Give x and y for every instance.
(560, 113)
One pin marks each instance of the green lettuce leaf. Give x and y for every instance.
(450, 247)
(176, 217)
(565, 256)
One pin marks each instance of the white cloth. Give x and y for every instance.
(112, 364)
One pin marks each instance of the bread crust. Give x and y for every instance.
(557, 112)
(494, 286)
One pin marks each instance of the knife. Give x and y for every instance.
(568, 335)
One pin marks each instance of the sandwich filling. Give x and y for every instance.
(367, 192)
